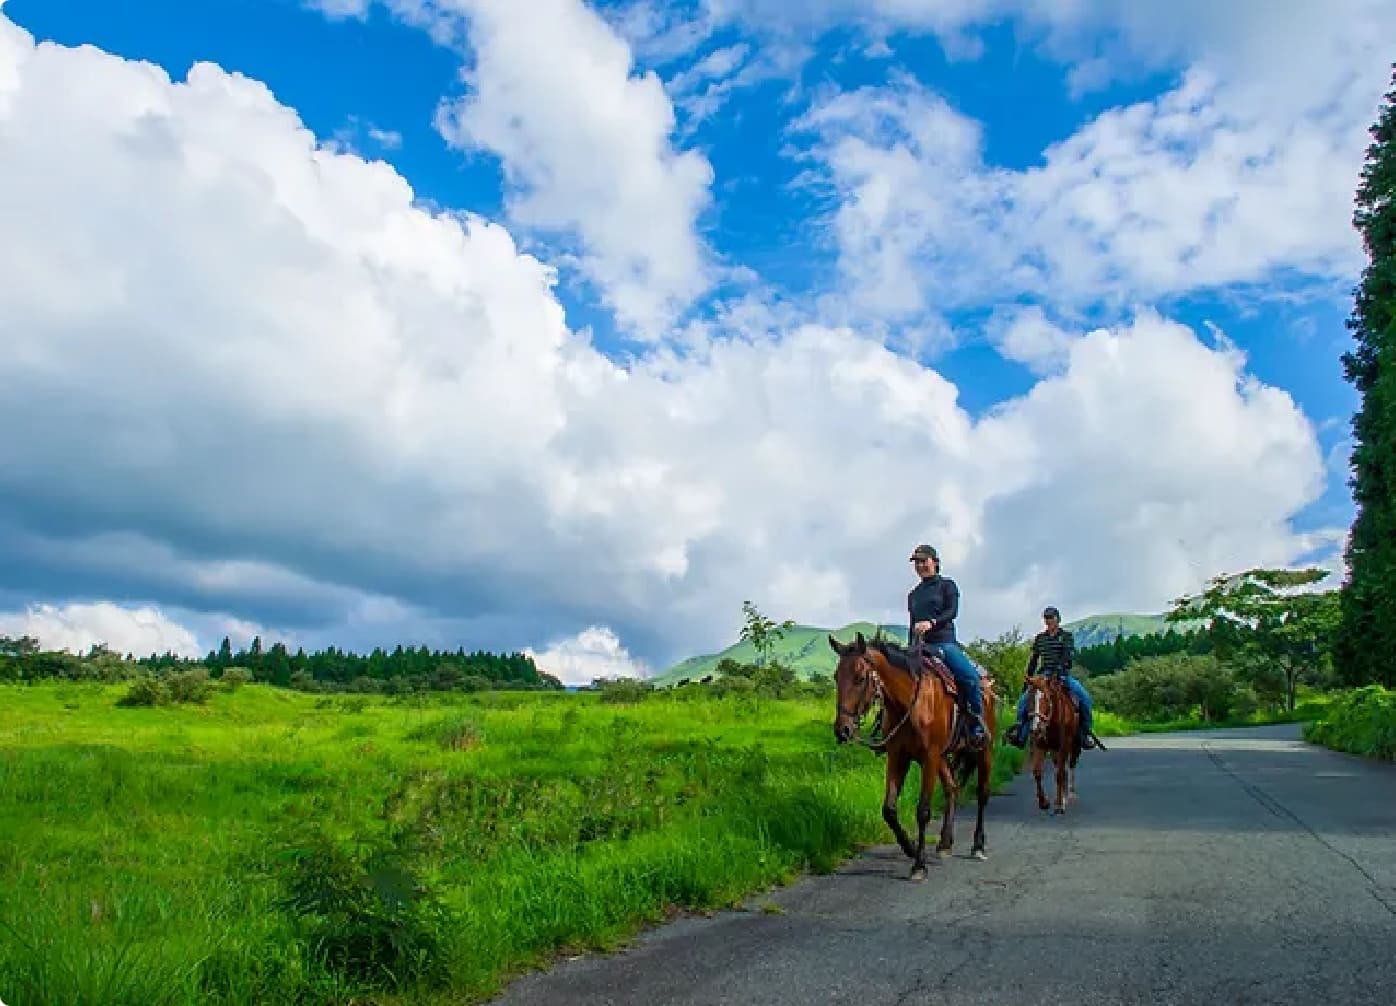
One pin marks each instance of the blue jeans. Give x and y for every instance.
(1083, 699)
(966, 675)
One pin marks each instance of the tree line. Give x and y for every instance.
(403, 669)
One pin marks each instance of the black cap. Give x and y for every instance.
(924, 552)
(1051, 612)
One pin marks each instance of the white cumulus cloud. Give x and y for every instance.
(256, 373)
(595, 652)
(78, 627)
(1191, 191)
(584, 141)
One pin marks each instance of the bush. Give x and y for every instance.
(729, 668)
(146, 691)
(1361, 722)
(235, 677)
(774, 679)
(733, 686)
(1174, 687)
(365, 914)
(183, 686)
(455, 733)
(623, 690)
(190, 686)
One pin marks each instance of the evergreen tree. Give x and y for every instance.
(1367, 638)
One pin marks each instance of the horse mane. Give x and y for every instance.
(897, 655)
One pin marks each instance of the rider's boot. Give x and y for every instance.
(975, 733)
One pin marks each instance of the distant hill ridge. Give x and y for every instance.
(806, 649)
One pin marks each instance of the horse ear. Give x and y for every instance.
(861, 643)
(835, 645)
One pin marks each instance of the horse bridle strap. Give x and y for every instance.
(877, 686)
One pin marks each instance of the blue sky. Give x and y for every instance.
(874, 188)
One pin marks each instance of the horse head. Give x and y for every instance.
(857, 683)
(1044, 705)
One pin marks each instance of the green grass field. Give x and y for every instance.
(277, 847)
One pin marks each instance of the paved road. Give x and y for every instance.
(1238, 866)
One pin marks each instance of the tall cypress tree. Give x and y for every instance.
(1366, 648)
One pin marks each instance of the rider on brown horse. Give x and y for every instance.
(1055, 651)
(933, 604)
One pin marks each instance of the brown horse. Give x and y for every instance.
(918, 715)
(1052, 726)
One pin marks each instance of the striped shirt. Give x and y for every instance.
(1053, 653)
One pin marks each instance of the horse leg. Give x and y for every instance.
(897, 764)
(1075, 757)
(950, 790)
(1038, 753)
(931, 769)
(983, 775)
(1059, 756)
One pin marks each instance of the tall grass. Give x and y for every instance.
(1362, 721)
(273, 847)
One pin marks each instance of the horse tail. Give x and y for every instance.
(962, 763)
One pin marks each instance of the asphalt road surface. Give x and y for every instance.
(1239, 866)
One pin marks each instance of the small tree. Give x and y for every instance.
(1005, 658)
(761, 632)
(1266, 614)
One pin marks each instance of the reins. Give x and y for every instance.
(881, 696)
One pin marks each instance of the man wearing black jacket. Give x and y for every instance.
(933, 604)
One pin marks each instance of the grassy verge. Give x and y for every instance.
(1310, 707)
(274, 847)
(1362, 722)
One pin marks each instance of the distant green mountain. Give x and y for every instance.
(1097, 629)
(806, 647)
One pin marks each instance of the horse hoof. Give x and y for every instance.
(979, 854)
(918, 874)
(1059, 810)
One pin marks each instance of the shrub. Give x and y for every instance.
(145, 691)
(455, 733)
(623, 690)
(1174, 687)
(726, 685)
(1361, 722)
(235, 677)
(189, 686)
(365, 914)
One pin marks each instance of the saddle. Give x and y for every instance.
(959, 727)
(931, 664)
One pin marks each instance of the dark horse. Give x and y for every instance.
(1052, 726)
(919, 717)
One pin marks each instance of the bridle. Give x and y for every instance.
(1040, 716)
(872, 683)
